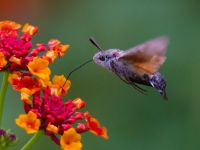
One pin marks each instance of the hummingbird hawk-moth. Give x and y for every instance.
(137, 65)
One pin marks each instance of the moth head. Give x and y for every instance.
(103, 58)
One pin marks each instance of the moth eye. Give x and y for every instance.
(102, 58)
(114, 55)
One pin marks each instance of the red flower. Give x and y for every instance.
(20, 80)
(95, 127)
(15, 50)
(57, 116)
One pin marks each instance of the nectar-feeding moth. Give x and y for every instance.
(137, 65)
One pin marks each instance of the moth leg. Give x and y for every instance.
(135, 86)
(138, 88)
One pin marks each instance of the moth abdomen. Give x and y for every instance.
(159, 83)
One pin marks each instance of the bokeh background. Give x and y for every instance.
(134, 121)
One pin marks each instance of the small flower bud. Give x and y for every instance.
(7, 139)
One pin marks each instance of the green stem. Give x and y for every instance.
(32, 141)
(3, 90)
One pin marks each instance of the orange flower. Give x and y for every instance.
(25, 95)
(39, 67)
(9, 25)
(3, 61)
(51, 128)
(63, 49)
(51, 55)
(29, 29)
(19, 81)
(79, 103)
(95, 127)
(15, 60)
(44, 83)
(59, 85)
(14, 78)
(56, 45)
(70, 140)
(28, 122)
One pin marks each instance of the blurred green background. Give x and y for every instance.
(134, 121)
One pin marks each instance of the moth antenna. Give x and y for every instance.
(94, 42)
(75, 69)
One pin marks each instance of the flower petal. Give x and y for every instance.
(70, 140)
(30, 29)
(39, 67)
(95, 127)
(28, 122)
(9, 25)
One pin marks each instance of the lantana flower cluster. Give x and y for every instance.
(44, 106)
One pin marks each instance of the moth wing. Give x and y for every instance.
(146, 58)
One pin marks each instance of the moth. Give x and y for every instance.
(138, 65)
